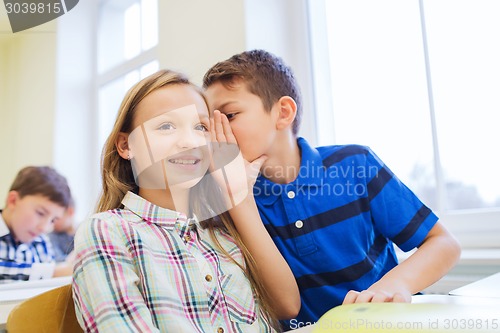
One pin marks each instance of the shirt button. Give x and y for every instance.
(220, 330)
(208, 277)
(187, 238)
(299, 224)
(291, 194)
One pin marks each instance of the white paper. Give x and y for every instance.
(41, 271)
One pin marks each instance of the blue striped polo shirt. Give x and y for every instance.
(336, 223)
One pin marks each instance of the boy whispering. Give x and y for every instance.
(334, 212)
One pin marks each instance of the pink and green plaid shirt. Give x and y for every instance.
(144, 268)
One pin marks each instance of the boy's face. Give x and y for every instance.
(31, 215)
(253, 127)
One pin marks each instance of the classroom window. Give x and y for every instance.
(127, 38)
(111, 94)
(126, 28)
(429, 110)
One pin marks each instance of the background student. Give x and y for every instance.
(155, 258)
(334, 212)
(38, 197)
(63, 234)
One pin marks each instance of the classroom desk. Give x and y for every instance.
(423, 312)
(410, 318)
(14, 293)
(483, 295)
(487, 287)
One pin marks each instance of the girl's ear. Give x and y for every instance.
(287, 112)
(121, 145)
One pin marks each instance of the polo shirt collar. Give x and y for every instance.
(154, 214)
(311, 174)
(4, 229)
(312, 170)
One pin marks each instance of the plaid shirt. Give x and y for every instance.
(17, 259)
(149, 269)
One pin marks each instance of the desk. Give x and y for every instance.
(410, 318)
(487, 287)
(427, 313)
(14, 293)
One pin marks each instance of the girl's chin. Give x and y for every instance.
(184, 184)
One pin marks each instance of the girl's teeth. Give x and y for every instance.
(184, 161)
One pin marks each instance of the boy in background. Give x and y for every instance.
(63, 234)
(334, 212)
(37, 197)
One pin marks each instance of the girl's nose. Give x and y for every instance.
(190, 139)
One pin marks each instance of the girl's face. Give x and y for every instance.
(169, 143)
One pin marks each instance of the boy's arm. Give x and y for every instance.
(437, 254)
(11, 271)
(14, 270)
(65, 268)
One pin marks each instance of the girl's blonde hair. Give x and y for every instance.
(118, 179)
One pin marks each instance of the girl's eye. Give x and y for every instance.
(40, 213)
(166, 127)
(201, 127)
(230, 115)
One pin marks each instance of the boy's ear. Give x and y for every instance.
(121, 145)
(287, 112)
(12, 198)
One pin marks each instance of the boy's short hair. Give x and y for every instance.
(265, 75)
(44, 181)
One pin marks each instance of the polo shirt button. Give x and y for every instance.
(208, 277)
(299, 224)
(291, 194)
(187, 238)
(220, 330)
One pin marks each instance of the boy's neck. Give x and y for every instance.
(283, 164)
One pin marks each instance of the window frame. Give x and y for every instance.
(485, 221)
(122, 68)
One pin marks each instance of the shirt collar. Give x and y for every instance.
(311, 174)
(154, 214)
(4, 229)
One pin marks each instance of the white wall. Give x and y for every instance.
(195, 34)
(27, 81)
(281, 27)
(76, 154)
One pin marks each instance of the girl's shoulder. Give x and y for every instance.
(115, 219)
(117, 214)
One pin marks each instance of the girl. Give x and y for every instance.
(147, 262)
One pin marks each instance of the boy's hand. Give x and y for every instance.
(63, 269)
(238, 175)
(377, 296)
